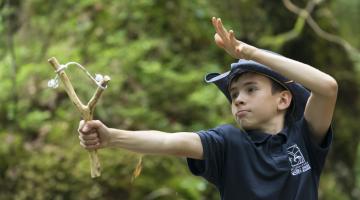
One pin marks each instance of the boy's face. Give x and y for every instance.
(254, 105)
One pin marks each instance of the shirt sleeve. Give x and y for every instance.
(212, 164)
(318, 152)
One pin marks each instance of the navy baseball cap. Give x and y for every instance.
(299, 93)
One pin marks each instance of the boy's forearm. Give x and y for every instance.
(312, 78)
(147, 142)
(183, 144)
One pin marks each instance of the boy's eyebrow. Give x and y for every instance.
(249, 83)
(244, 84)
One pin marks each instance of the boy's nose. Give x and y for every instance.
(239, 100)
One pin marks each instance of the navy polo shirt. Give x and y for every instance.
(256, 165)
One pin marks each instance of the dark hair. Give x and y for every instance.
(276, 86)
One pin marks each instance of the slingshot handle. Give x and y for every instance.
(94, 164)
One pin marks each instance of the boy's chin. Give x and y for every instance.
(244, 126)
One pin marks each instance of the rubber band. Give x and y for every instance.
(53, 83)
(100, 86)
(61, 68)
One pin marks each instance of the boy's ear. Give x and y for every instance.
(285, 98)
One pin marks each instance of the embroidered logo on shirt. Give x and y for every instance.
(298, 163)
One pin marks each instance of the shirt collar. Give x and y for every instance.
(285, 132)
(259, 137)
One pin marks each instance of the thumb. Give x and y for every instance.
(93, 124)
(81, 125)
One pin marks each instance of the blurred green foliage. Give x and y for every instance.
(157, 53)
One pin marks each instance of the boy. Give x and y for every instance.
(280, 148)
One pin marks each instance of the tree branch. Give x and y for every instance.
(306, 13)
(279, 40)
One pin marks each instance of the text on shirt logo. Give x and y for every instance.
(298, 163)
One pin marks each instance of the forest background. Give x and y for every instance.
(157, 53)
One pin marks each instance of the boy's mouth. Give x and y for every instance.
(242, 113)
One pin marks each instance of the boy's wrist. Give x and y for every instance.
(248, 52)
(114, 135)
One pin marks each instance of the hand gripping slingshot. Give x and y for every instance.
(86, 111)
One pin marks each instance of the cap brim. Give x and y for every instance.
(220, 80)
(213, 77)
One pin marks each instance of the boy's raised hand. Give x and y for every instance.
(226, 40)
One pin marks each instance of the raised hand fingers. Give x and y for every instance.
(213, 20)
(233, 40)
(218, 41)
(226, 40)
(231, 36)
(221, 28)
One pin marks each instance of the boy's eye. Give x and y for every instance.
(251, 89)
(233, 95)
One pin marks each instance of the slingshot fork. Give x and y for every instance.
(87, 110)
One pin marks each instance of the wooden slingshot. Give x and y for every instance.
(86, 111)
